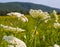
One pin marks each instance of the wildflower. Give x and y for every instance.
(19, 16)
(45, 16)
(56, 16)
(20, 45)
(14, 40)
(39, 13)
(12, 28)
(19, 29)
(57, 25)
(9, 13)
(1, 25)
(10, 46)
(24, 19)
(34, 13)
(46, 13)
(14, 14)
(56, 45)
(47, 19)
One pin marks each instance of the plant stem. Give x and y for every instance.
(35, 36)
(38, 21)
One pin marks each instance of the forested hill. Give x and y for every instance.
(23, 7)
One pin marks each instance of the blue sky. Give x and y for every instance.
(52, 3)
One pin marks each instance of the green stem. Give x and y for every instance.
(35, 36)
(38, 21)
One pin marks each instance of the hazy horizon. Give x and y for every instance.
(50, 3)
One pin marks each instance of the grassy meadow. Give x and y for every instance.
(46, 35)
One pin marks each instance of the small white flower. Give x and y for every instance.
(1, 25)
(14, 40)
(56, 16)
(5, 27)
(14, 14)
(19, 16)
(20, 45)
(9, 39)
(34, 13)
(46, 21)
(19, 29)
(57, 25)
(24, 19)
(39, 13)
(56, 45)
(12, 28)
(46, 13)
(10, 46)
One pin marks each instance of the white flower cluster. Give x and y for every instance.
(23, 18)
(56, 45)
(56, 16)
(57, 25)
(19, 16)
(14, 40)
(39, 13)
(10, 46)
(12, 28)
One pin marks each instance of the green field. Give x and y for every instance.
(45, 36)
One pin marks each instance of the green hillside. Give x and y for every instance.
(23, 7)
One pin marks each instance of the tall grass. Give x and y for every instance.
(45, 34)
